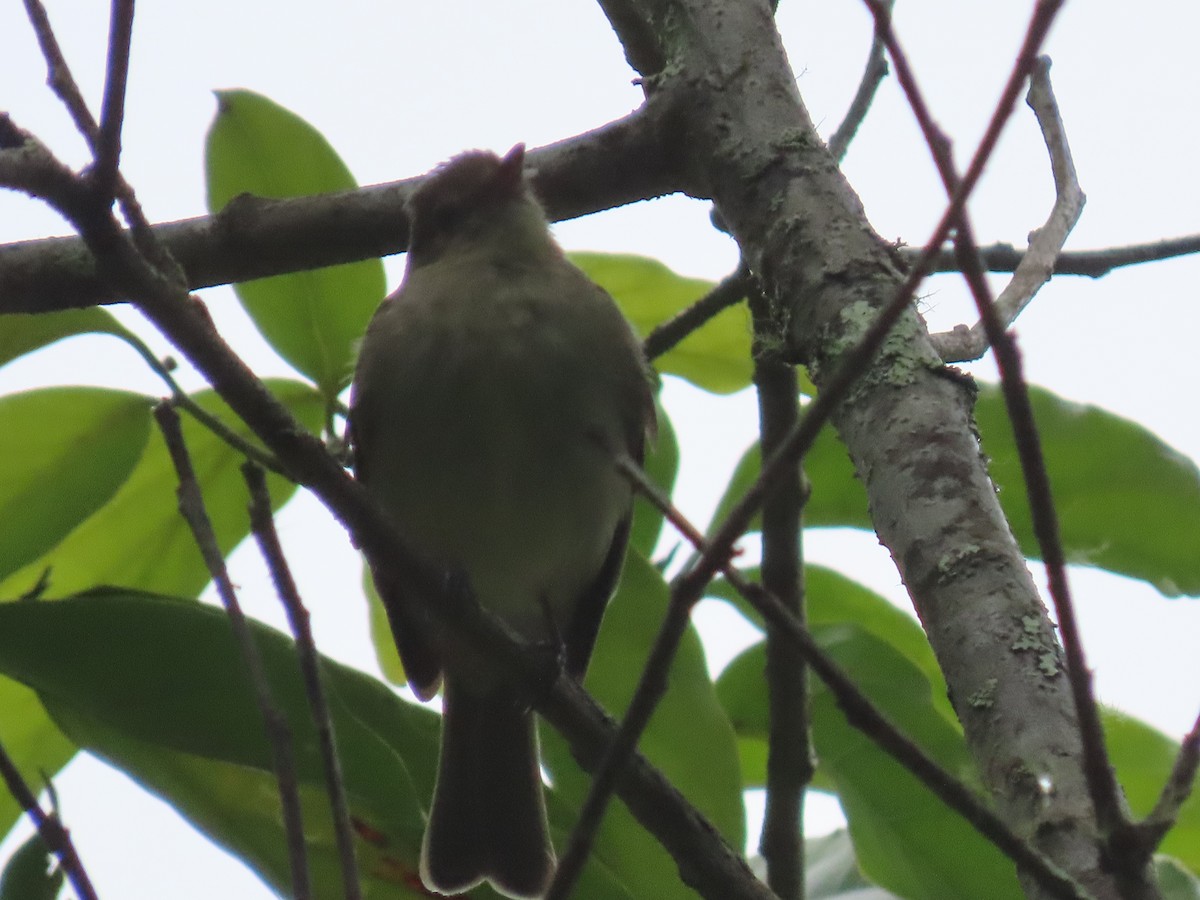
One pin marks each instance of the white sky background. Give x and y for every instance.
(399, 87)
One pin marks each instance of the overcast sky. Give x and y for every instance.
(398, 87)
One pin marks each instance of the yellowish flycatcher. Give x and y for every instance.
(494, 391)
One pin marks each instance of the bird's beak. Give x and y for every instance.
(512, 167)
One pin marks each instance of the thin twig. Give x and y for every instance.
(182, 400)
(1147, 834)
(650, 688)
(55, 835)
(62, 82)
(279, 736)
(876, 70)
(1038, 263)
(262, 522)
(107, 147)
(862, 713)
(790, 765)
(59, 73)
(1086, 263)
(729, 291)
(1097, 770)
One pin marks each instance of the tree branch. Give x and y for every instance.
(1102, 789)
(262, 522)
(790, 755)
(728, 292)
(876, 70)
(107, 147)
(752, 147)
(1045, 244)
(1088, 263)
(279, 734)
(49, 826)
(862, 713)
(253, 237)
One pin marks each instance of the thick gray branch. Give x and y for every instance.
(907, 424)
(255, 237)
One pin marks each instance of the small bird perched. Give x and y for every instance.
(495, 389)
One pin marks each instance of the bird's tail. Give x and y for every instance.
(488, 816)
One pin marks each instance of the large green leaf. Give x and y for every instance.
(716, 357)
(66, 451)
(156, 686)
(138, 539)
(22, 333)
(689, 738)
(312, 319)
(900, 830)
(1127, 502)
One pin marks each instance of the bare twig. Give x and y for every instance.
(59, 73)
(1144, 837)
(49, 826)
(650, 688)
(1097, 770)
(107, 147)
(1045, 244)
(790, 763)
(262, 521)
(1087, 263)
(184, 401)
(104, 142)
(862, 714)
(279, 736)
(876, 70)
(730, 291)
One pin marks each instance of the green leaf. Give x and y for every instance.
(689, 738)
(31, 873)
(312, 319)
(900, 830)
(138, 539)
(66, 452)
(1127, 502)
(1143, 758)
(716, 357)
(22, 333)
(175, 711)
(662, 465)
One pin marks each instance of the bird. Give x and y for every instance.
(494, 391)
